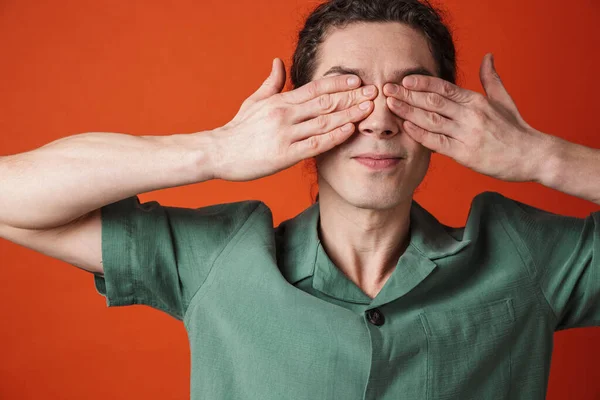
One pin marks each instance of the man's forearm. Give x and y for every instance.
(54, 184)
(571, 168)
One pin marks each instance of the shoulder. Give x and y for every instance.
(540, 231)
(514, 212)
(493, 214)
(493, 206)
(488, 201)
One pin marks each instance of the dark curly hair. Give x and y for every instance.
(418, 14)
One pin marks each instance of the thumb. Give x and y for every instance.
(492, 84)
(273, 84)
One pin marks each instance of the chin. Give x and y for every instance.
(371, 201)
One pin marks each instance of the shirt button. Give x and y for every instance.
(375, 316)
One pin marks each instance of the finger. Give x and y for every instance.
(272, 85)
(317, 144)
(492, 84)
(328, 122)
(433, 141)
(330, 102)
(425, 100)
(425, 83)
(331, 84)
(431, 121)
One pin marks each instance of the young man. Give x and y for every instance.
(364, 295)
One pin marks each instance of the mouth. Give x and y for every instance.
(378, 156)
(379, 163)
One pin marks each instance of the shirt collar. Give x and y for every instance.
(302, 255)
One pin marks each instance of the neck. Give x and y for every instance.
(365, 244)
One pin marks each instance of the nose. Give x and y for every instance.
(382, 122)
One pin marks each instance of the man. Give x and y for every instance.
(364, 294)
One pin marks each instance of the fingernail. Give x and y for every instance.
(393, 89)
(352, 81)
(409, 81)
(368, 90)
(364, 105)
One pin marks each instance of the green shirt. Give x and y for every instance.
(468, 313)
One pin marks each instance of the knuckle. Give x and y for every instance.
(312, 143)
(448, 89)
(333, 138)
(443, 141)
(325, 103)
(404, 93)
(434, 100)
(351, 113)
(352, 97)
(321, 122)
(436, 119)
(313, 89)
(477, 114)
(277, 112)
(405, 108)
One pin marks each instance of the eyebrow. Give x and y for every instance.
(397, 75)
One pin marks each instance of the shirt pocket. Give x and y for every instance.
(468, 351)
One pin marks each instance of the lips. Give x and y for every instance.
(380, 163)
(378, 156)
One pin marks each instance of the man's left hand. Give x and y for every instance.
(486, 134)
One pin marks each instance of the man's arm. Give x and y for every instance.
(571, 168)
(55, 184)
(488, 134)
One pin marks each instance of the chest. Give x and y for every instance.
(248, 325)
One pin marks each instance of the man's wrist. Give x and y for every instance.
(552, 154)
(207, 150)
(198, 151)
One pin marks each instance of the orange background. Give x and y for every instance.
(148, 67)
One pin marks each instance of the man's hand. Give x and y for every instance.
(273, 131)
(486, 134)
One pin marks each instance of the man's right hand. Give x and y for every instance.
(273, 131)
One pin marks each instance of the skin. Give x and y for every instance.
(365, 214)
(364, 224)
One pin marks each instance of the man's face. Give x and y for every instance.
(378, 50)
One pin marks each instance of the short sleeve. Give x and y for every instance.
(564, 253)
(159, 256)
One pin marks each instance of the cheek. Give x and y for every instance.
(420, 165)
(329, 158)
(325, 164)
